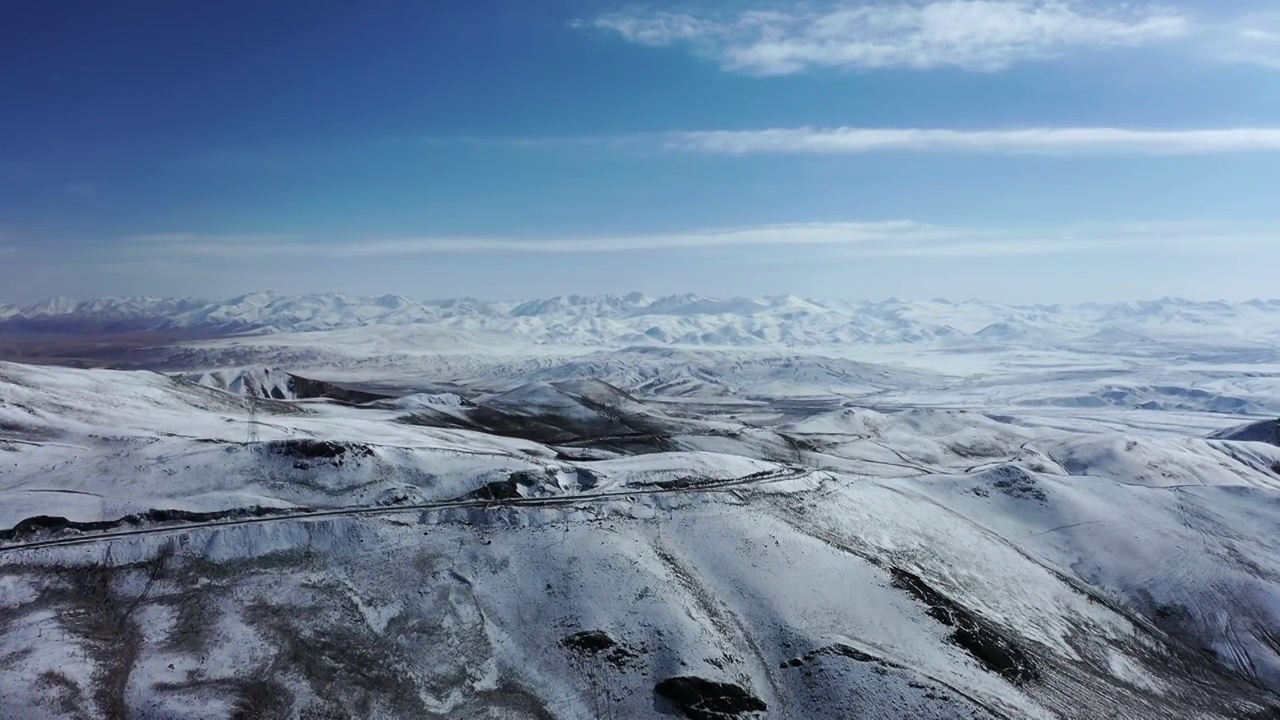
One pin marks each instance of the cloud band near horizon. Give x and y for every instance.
(174, 262)
(844, 140)
(894, 238)
(1036, 141)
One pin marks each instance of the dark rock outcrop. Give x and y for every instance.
(980, 638)
(701, 699)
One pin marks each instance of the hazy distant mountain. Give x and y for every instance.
(635, 319)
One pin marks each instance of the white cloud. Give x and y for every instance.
(187, 244)
(854, 140)
(980, 35)
(1252, 40)
(880, 239)
(1057, 141)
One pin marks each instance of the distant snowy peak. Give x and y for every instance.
(1008, 330)
(599, 305)
(57, 306)
(636, 319)
(126, 307)
(250, 382)
(1113, 334)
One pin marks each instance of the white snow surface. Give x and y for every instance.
(1103, 553)
(1093, 483)
(1167, 355)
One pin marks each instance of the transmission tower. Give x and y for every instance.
(254, 427)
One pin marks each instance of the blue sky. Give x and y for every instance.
(1018, 150)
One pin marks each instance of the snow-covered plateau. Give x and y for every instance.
(621, 507)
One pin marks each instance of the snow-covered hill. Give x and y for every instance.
(172, 549)
(1266, 431)
(690, 320)
(265, 382)
(252, 382)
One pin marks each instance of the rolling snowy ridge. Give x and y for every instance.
(563, 548)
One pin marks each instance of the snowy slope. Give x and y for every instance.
(791, 559)
(1266, 431)
(277, 384)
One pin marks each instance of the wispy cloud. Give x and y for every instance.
(1052, 141)
(1253, 40)
(177, 241)
(794, 234)
(880, 239)
(846, 140)
(978, 35)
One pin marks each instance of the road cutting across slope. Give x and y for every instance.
(780, 475)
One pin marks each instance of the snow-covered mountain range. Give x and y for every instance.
(635, 319)
(629, 507)
(177, 547)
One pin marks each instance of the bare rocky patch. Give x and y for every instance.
(980, 638)
(597, 644)
(1012, 481)
(701, 699)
